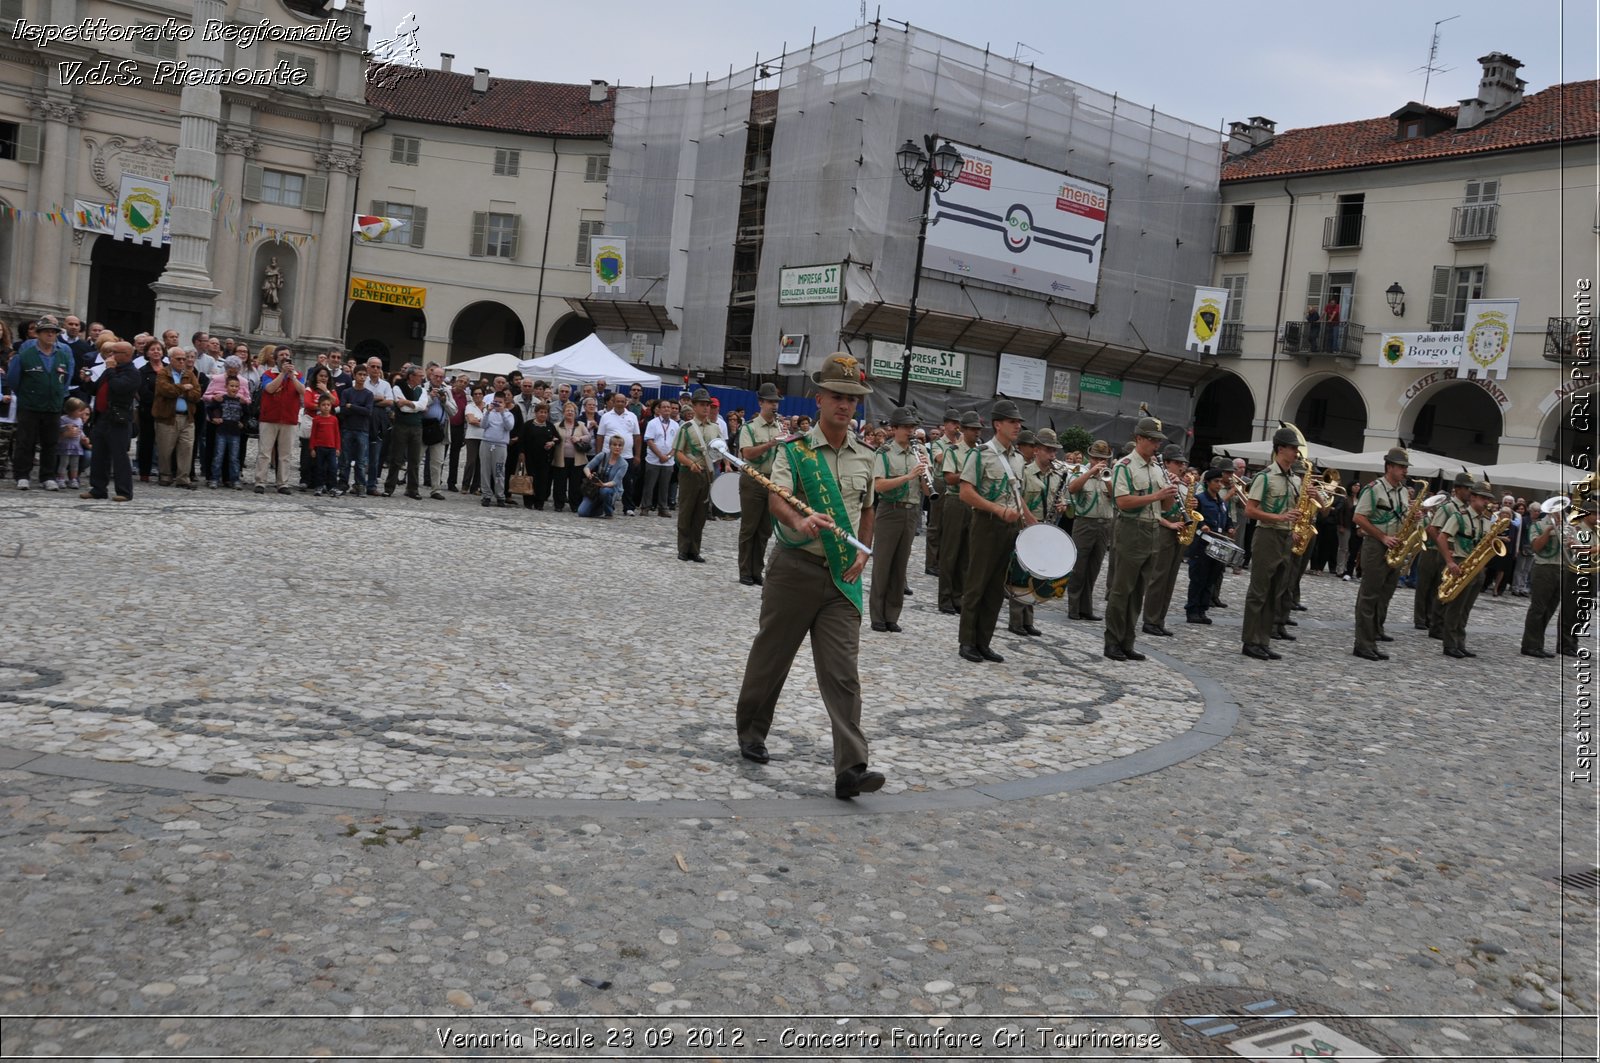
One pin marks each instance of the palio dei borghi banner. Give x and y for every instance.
(1023, 226)
(366, 290)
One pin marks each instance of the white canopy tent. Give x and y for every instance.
(1259, 452)
(1423, 464)
(486, 365)
(1549, 477)
(584, 362)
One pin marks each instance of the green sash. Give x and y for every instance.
(821, 490)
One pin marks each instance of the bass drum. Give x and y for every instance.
(1041, 561)
(725, 492)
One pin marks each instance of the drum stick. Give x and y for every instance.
(721, 449)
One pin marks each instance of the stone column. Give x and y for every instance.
(324, 325)
(232, 311)
(184, 295)
(49, 242)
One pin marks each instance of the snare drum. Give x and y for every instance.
(1040, 563)
(1223, 549)
(725, 492)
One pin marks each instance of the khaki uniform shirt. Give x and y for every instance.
(1133, 475)
(1551, 554)
(1383, 505)
(755, 433)
(1450, 507)
(893, 462)
(694, 439)
(1275, 491)
(1094, 501)
(992, 471)
(955, 458)
(851, 466)
(1038, 485)
(1465, 529)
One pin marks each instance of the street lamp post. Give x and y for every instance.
(925, 168)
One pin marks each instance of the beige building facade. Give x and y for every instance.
(1396, 223)
(499, 184)
(79, 113)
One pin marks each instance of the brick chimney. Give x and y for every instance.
(480, 79)
(444, 61)
(1249, 135)
(1498, 91)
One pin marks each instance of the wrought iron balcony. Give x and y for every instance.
(1474, 223)
(1342, 232)
(1562, 341)
(1235, 239)
(1319, 339)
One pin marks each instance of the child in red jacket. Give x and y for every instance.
(325, 446)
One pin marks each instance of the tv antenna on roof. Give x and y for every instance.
(1431, 68)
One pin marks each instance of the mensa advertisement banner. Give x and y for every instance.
(1023, 226)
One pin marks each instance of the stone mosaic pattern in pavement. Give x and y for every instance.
(409, 647)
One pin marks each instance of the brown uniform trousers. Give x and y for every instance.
(991, 541)
(1136, 552)
(953, 549)
(755, 528)
(1092, 537)
(1544, 597)
(930, 542)
(893, 535)
(1266, 604)
(1378, 582)
(800, 599)
(1163, 577)
(1455, 614)
(1425, 609)
(694, 505)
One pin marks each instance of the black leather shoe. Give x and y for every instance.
(1134, 655)
(908, 592)
(948, 610)
(697, 559)
(1114, 653)
(1420, 627)
(1197, 619)
(1033, 632)
(1370, 655)
(1282, 635)
(930, 572)
(1436, 635)
(1537, 653)
(747, 581)
(1157, 629)
(895, 628)
(1291, 622)
(857, 780)
(989, 655)
(1218, 603)
(1451, 651)
(1260, 653)
(969, 653)
(1298, 608)
(413, 497)
(1091, 616)
(758, 581)
(1385, 638)
(1468, 653)
(755, 751)
(879, 626)
(683, 557)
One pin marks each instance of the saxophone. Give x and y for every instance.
(1410, 539)
(1305, 525)
(1190, 513)
(1490, 546)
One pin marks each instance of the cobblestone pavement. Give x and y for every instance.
(1377, 839)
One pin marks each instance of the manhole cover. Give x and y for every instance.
(1216, 1021)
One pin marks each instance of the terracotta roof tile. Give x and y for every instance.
(534, 108)
(1560, 113)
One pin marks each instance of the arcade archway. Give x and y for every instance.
(1333, 413)
(1458, 420)
(394, 333)
(485, 328)
(1223, 413)
(120, 275)
(1568, 431)
(569, 330)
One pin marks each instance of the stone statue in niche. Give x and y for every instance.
(271, 286)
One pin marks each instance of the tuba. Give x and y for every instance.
(1490, 546)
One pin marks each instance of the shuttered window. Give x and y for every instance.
(597, 168)
(495, 235)
(587, 228)
(405, 150)
(506, 162)
(411, 234)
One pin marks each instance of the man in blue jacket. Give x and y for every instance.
(1203, 568)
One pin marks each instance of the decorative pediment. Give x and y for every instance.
(144, 157)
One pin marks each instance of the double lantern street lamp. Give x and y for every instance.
(925, 169)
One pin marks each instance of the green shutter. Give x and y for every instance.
(419, 225)
(480, 225)
(315, 196)
(1439, 299)
(252, 182)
